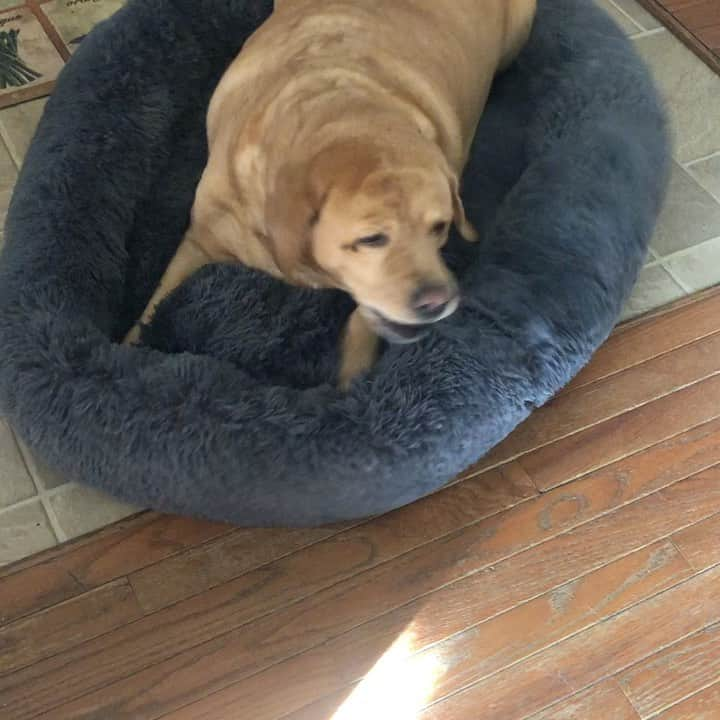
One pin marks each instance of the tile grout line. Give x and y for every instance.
(652, 265)
(52, 517)
(8, 145)
(690, 170)
(647, 33)
(20, 504)
(675, 279)
(43, 496)
(627, 15)
(704, 158)
(687, 250)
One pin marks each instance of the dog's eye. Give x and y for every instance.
(440, 228)
(372, 241)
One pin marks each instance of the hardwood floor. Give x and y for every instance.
(695, 22)
(572, 574)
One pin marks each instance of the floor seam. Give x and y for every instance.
(627, 15)
(648, 33)
(42, 495)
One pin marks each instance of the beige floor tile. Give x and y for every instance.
(17, 126)
(5, 4)
(692, 91)
(655, 288)
(24, 530)
(638, 13)
(697, 268)
(80, 509)
(690, 215)
(707, 173)
(46, 478)
(15, 481)
(626, 23)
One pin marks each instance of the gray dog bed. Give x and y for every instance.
(230, 412)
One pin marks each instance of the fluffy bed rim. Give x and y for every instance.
(567, 176)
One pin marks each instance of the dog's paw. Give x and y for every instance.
(133, 337)
(350, 372)
(354, 365)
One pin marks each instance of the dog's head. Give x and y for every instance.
(375, 229)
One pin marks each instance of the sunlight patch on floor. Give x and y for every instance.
(394, 688)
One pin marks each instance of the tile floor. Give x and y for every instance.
(38, 509)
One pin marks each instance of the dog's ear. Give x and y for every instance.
(292, 211)
(463, 225)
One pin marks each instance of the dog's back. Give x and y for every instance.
(438, 58)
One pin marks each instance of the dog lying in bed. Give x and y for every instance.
(337, 138)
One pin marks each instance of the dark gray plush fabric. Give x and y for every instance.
(233, 414)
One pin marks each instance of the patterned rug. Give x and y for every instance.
(37, 38)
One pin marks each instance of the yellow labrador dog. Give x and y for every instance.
(337, 138)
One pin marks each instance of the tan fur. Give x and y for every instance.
(342, 119)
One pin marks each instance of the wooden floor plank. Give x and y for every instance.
(711, 36)
(34, 589)
(460, 659)
(120, 548)
(564, 611)
(62, 573)
(587, 658)
(695, 13)
(259, 592)
(701, 706)
(612, 439)
(127, 552)
(700, 544)
(613, 396)
(677, 457)
(67, 625)
(398, 592)
(53, 554)
(604, 701)
(630, 433)
(350, 703)
(186, 574)
(674, 673)
(636, 343)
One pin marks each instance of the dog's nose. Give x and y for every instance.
(431, 301)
